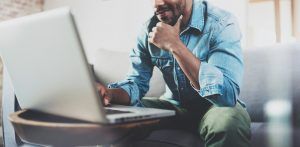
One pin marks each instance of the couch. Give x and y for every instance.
(267, 76)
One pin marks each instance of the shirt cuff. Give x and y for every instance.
(130, 87)
(210, 80)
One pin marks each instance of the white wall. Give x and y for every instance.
(109, 24)
(297, 19)
(261, 24)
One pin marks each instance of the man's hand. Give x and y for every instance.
(165, 36)
(114, 95)
(105, 94)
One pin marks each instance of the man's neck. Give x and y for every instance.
(187, 13)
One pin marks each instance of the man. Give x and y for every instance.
(197, 48)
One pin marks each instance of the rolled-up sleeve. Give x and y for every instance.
(220, 77)
(136, 83)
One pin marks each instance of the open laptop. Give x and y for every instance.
(49, 71)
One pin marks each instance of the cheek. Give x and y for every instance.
(178, 9)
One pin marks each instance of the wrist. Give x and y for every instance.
(175, 47)
(110, 94)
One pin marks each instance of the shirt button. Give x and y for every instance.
(181, 88)
(178, 68)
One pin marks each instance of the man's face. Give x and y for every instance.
(168, 11)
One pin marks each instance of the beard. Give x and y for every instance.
(169, 14)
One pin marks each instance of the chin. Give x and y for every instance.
(168, 21)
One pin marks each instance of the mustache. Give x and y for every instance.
(161, 9)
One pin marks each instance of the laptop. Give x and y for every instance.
(49, 71)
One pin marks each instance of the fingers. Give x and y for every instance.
(101, 88)
(103, 91)
(151, 37)
(155, 29)
(106, 101)
(159, 24)
(162, 35)
(178, 23)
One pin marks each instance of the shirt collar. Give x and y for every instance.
(197, 17)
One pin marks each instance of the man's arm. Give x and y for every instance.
(219, 78)
(188, 62)
(166, 37)
(136, 84)
(119, 96)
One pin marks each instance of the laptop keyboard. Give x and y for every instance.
(111, 111)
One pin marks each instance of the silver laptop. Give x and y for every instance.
(48, 68)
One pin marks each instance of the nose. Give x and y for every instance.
(158, 3)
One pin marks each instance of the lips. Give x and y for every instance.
(161, 11)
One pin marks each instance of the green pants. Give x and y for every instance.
(217, 126)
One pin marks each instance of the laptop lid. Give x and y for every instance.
(44, 57)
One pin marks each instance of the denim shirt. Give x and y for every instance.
(213, 36)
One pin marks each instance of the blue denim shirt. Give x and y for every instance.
(213, 36)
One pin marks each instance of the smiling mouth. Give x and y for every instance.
(161, 11)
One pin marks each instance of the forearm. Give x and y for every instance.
(188, 63)
(119, 96)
